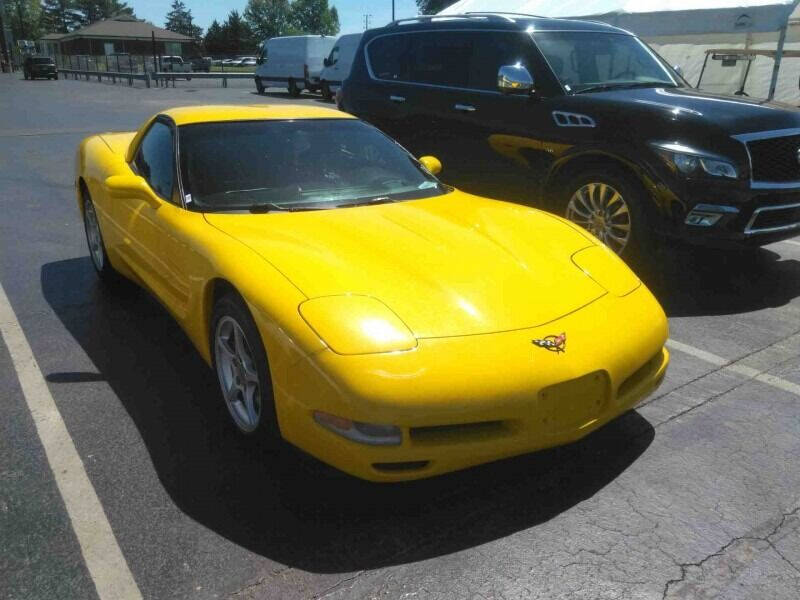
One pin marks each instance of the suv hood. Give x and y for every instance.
(447, 266)
(733, 114)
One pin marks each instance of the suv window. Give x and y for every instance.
(440, 58)
(388, 57)
(494, 50)
(155, 160)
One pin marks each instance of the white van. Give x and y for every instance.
(293, 61)
(338, 63)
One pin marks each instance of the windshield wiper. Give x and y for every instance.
(621, 86)
(267, 207)
(377, 200)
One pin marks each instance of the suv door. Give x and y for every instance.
(506, 142)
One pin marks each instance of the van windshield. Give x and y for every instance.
(588, 61)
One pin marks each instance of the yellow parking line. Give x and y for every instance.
(101, 553)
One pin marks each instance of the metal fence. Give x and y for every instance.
(132, 63)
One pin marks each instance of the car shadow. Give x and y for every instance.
(274, 500)
(696, 281)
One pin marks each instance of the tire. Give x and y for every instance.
(94, 240)
(294, 91)
(326, 91)
(242, 369)
(621, 223)
(259, 86)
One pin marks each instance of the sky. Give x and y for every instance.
(351, 12)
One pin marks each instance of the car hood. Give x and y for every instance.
(452, 265)
(732, 114)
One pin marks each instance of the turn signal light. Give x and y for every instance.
(363, 433)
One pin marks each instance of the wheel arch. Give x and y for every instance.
(568, 167)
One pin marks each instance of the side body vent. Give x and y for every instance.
(568, 119)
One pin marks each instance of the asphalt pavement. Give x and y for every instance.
(696, 494)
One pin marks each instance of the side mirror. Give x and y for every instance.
(130, 185)
(327, 62)
(514, 79)
(259, 61)
(432, 164)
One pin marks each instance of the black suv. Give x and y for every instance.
(586, 120)
(39, 66)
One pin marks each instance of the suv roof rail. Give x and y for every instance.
(506, 17)
(503, 13)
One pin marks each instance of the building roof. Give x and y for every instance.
(52, 36)
(124, 27)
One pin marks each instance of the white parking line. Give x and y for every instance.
(734, 367)
(103, 557)
(790, 242)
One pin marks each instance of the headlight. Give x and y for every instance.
(689, 161)
(357, 325)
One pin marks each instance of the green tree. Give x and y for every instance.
(23, 18)
(59, 16)
(429, 7)
(96, 10)
(236, 35)
(315, 17)
(213, 41)
(179, 20)
(269, 18)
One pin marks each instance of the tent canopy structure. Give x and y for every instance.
(651, 17)
(681, 31)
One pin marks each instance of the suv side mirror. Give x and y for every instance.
(260, 60)
(327, 62)
(514, 79)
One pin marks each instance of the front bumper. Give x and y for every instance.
(469, 400)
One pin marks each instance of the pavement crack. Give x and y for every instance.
(335, 587)
(684, 567)
(260, 581)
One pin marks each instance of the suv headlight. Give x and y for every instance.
(689, 161)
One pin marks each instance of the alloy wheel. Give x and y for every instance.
(237, 374)
(93, 236)
(602, 210)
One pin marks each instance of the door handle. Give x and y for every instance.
(464, 107)
(397, 99)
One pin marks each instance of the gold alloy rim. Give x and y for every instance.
(602, 210)
(237, 374)
(93, 236)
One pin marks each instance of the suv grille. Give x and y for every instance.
(775, 159)
(777, 217)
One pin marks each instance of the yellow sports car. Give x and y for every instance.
(351, 303)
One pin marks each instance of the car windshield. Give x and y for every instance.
(304, 164)
(43, 61)
(587, 61)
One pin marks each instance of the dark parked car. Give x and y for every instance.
(583, 119)
(200, 63)
(39, 66)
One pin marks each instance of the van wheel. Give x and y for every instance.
(240, 362)
(294, 91)
(326, 91)
(259, 86)
(608, 203)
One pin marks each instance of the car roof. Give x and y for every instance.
(186, 115)
(494, 21)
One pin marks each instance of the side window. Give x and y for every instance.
(388, 57)
(440, 58)
(334, 57)
(155, 160)
(494, 50)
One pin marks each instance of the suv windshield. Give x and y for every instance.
(296, 165)
(43, 61)
(587, 61)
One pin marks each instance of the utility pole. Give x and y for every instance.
(367, 19)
